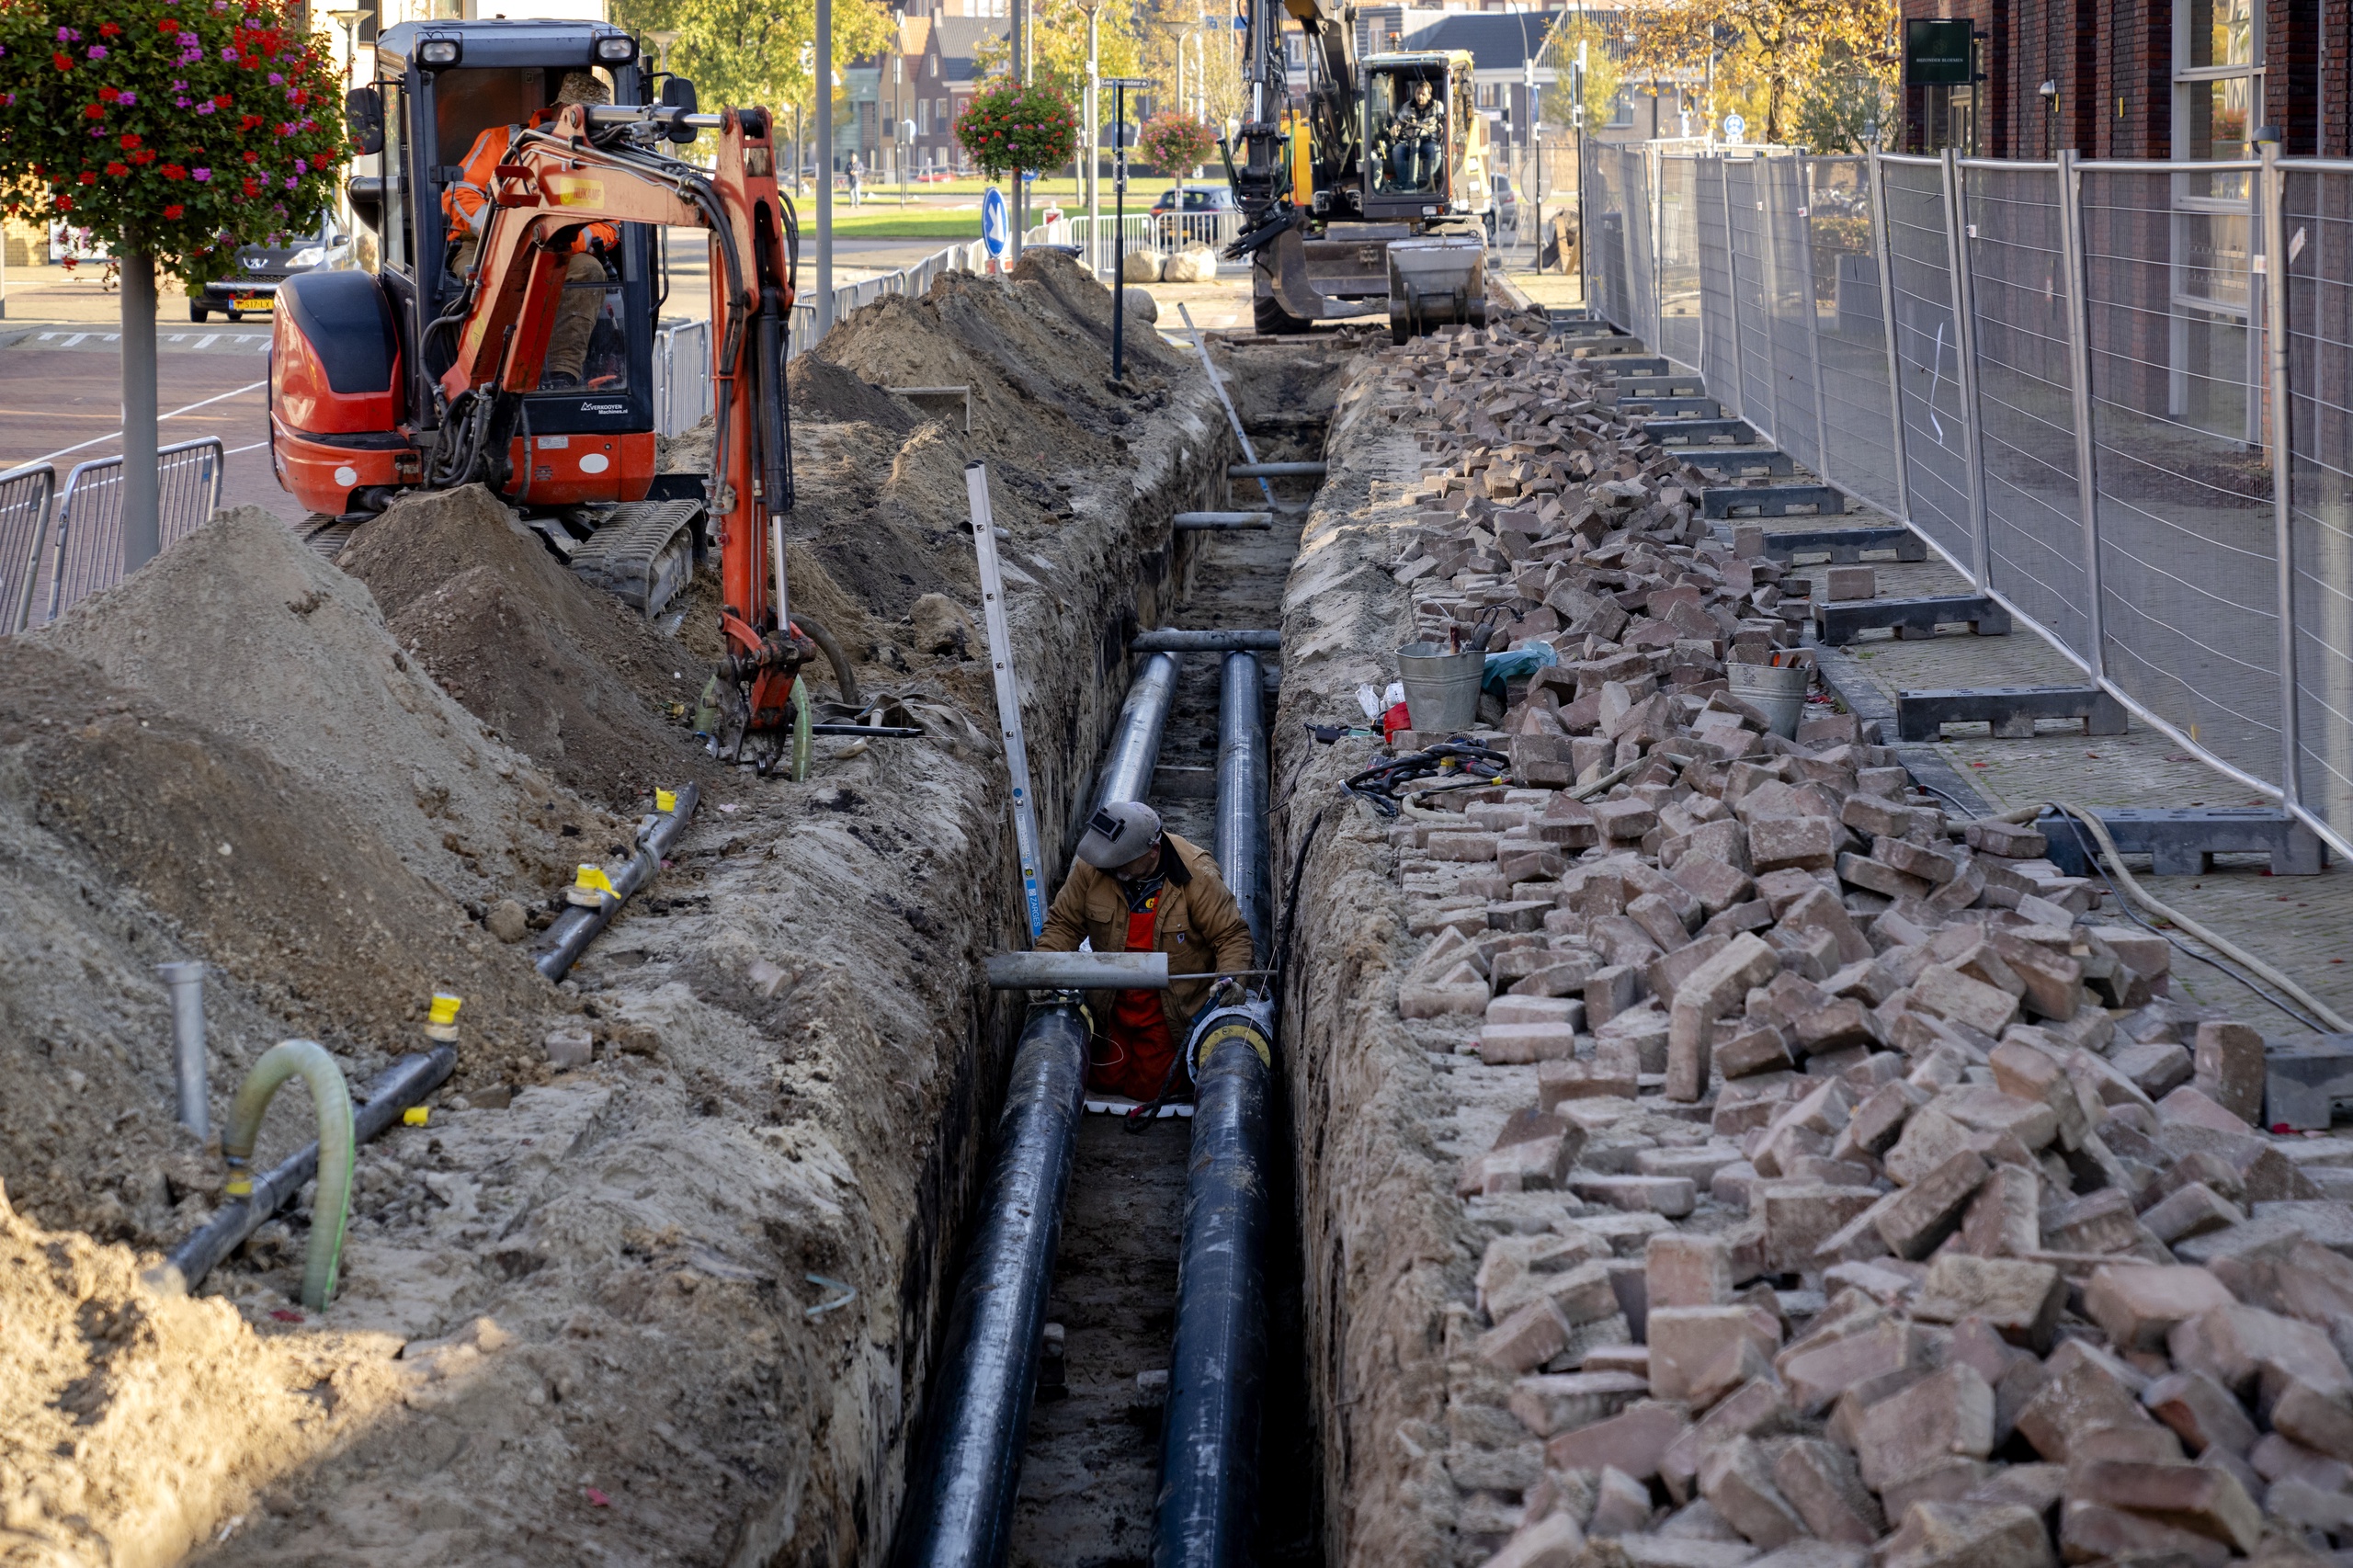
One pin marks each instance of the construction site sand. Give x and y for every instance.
(595, 1283)
(567, 675)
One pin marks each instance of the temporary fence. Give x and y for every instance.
(58, 555)
(2079, 380)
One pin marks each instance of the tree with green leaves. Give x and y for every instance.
(1601, 76)
(171, 133)
(1779, 54)
(761, 53)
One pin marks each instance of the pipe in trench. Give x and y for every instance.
(1261, 640)
(186, 982)
(399, 1087)
(578, 926)
(963, 1503)
(1135, 743)
(336, 1147)
(1242, 791)
(1206, 1515)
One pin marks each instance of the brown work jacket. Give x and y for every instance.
(1198, 924)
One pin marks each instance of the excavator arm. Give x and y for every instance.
(588, 166)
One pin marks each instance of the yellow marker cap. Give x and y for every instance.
(414, 1116)
(240, 1187)
(665, 800)
(593, 877)
(445, 1009)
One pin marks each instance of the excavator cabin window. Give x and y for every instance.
(1408, 131)
(475, 111)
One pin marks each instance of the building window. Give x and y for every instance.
(2213, 353)
(923, 117)
(2217, 86)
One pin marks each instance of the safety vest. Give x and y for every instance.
(465, 200)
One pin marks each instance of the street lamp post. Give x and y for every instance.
(1119, 85)
(823, 80)
(1094, 138)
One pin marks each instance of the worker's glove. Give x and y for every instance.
(1226, 993)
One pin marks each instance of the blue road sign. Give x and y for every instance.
(996, 225)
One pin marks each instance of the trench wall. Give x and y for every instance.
(1384, 1243)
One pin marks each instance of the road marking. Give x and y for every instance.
(208, 340)
(254, 448)
(73, 340)
(191, 408)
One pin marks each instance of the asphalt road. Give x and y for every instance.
(61, 402)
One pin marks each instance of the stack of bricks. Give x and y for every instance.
(1860, 1192)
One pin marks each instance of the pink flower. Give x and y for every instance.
(97, 52)
(201, 176)
(204, 107)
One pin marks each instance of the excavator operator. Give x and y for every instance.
(1415, 139)
(466, 204)
(1138, 889)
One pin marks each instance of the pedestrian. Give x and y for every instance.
(1137, 888)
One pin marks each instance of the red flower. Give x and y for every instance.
(222, 100)
(173, 171)
(107, 29)
(65, 61)
(131, 139)
(118, 170)
(253, 187)
(169, 24)
(93, 111)
(144, 155)
(253, 157)
(174, 210)
(65, 204)
(88, 178)
(108, 94)
(249, 122)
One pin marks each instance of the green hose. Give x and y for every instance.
(309, 1061)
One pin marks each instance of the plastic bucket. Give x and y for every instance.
(1441, 688)
(1779, 692)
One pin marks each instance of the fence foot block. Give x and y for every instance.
(1772, 500)
(1664, 408)
(1700, 432)
(2306, 1077)
(1617, 347)
(1637, 387)
(2183, 842)
(1845, 547)
(1755, 463)
(2011, 710)
(1838, 623)
(1615, 368)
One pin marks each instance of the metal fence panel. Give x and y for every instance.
(1718, 337)
(1752, 326)
(1927, 346)
(1681, 308)
(1850, 331)
(25, 498)
(87, 554)
(681, 376)
(2318, 225)
(1790, 310)
(2021, 301)
(2189, 610)
(1611, 220)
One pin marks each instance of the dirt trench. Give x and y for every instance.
(678, 1304)
(1090, 1472)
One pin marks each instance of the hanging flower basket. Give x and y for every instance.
(1010, 126)
(1175, 143)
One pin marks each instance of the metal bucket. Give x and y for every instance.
(1779, 692)
(1441, 688)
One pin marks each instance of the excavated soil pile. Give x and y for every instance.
(589, 1293)
(124, 1416)
(559, 670)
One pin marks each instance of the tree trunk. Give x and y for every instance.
(142, 521)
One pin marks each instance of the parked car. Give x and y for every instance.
(1193, 214)
(261, 269)
(1504, 214)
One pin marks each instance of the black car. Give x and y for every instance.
(261, 269)
(1190, 214)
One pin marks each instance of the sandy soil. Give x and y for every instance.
(585, 1315)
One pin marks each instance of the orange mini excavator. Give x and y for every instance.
(434, 371)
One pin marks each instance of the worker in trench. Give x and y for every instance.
(466, 204)
(1136, 888)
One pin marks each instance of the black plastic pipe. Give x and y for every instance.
(1242, 790)
(1209, 1452)
(962, 1515)
(1208, 1508)
(1135, 739)
(1165, 641)
(577, 925)
(404, 1083)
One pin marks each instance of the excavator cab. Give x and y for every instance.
(1424, 141)
(438, 88)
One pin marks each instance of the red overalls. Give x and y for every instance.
(1132, 1057)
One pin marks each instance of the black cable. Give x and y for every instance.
(2091, 857)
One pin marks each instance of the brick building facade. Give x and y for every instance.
(2120, 74)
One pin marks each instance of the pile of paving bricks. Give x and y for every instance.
(1875, 1199)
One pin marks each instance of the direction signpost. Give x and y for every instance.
(1119, 85)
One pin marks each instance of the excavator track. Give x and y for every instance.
(644, 551)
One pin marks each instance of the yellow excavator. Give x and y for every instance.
(1375, 193)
